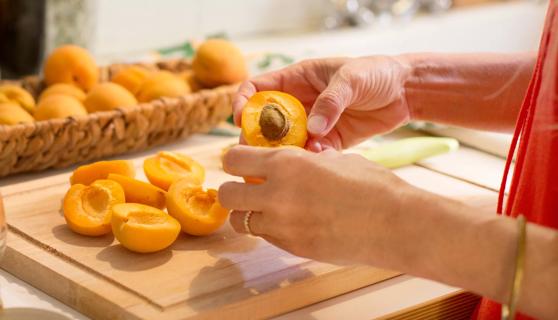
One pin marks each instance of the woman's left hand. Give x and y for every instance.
(328, 206)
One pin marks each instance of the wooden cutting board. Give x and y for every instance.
(225, 275)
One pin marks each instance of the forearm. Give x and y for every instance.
(453, 243)
(481, 91)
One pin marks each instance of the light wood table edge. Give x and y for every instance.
(453, 306)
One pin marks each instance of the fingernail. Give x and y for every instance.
(317, 124)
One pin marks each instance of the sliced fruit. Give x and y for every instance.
(198, 211)
(87, 209)
(88, 173)
(140, 192)
(167, 167)
(142, 228)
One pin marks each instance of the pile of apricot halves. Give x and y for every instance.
(105, 197)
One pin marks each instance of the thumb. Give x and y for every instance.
(328, 107)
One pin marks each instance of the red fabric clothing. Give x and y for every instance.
(534, 191)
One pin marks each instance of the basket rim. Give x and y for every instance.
(7, 130)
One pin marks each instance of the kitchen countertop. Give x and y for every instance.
(366, 303)
(376, 300)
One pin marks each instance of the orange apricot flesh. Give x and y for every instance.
(142, 228)
(198, 211)
(87, 209)
(167, 167)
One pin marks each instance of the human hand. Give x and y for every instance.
(347, 99)
(326, 206)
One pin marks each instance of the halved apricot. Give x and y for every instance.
(140, 192)
(87, 209)
(88, 173)
(167, 167)
(198, 211)
(142, 228)
(274, 118)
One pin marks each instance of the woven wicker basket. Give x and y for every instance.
(60, 143)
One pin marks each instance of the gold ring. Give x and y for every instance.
(247, 218)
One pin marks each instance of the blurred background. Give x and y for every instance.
(271, 33)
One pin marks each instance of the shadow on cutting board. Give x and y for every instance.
(63, 233)
(228, 279)
(122, 259)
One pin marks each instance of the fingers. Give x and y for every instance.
(244, 161)
(268, 81)
(256, 222)
(241, 196)
(329, 105)
(246, 90)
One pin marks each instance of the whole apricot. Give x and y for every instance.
(87, 209)
(63, 89)
(219, 62)
(167, 167)
(273, 118)
(11, 113)
(131, 78)
(191, 80)
(17, 95)
(198, 211)
(162, 84)
(58, 106)
(88, 173)
(71, 64)
(108, 96)
(142, 228)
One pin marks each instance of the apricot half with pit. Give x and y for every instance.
(88, 173)
(140, 192)
(198, 211)
(142, 228)
(167, 167)
(274, 118)
(87, 209)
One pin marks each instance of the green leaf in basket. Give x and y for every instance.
(185, 49)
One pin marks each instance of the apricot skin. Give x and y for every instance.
(63, 89)
(11, 114)
(59, 106)
(71, 64)
(131, 78)
(17, 95)
(219, 62)
(162, 84)
(87, 174)
(108, 96)
(140, 192)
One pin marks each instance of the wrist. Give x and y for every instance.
(410, 84)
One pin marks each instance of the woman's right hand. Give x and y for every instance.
(347, 99)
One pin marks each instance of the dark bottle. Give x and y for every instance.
(22, 30)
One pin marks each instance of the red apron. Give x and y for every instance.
(534, 191)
